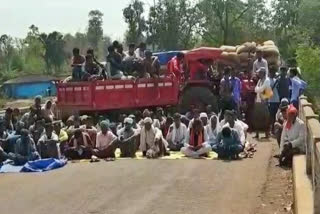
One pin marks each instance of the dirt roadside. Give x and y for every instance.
(277, 193)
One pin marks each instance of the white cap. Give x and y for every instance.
(128, 120)
(203, 115)
(147, 120)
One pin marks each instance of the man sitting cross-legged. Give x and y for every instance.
(128, 139)
(152, 143)
(48, 143)
(228, 143)
(178, 134)
(106, 142)
(197, 145)
(79, 147)
(25, 150)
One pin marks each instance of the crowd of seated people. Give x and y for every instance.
(38, 135)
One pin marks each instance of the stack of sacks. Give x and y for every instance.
(229, 55)
(246, 52)
(270, 53)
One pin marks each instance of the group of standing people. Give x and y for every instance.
(275, 103)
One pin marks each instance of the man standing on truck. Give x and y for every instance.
(260, 63)
(175, 66)
(77, 63)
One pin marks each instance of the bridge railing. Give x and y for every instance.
(307, 114)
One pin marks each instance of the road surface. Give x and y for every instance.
(140, 187)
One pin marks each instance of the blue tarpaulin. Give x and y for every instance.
(35, 166)
(165, 57)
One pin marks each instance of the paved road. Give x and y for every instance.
(140, 187)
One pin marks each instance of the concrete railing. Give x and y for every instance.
(306, 113)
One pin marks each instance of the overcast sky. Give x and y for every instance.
(66, 16)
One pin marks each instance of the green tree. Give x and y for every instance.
(54, 50)
(223, 20)
(33, 51)
(308, 59)
(95, 30)
(133, 16)
(285, 21)
(6, 52)
(309, 19)
(172, 24)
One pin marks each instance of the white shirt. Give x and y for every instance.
(148, 138)
(261, 87)
(177, 134)
(140, 54)
(261, 64)
(295, 135)
(45, 138)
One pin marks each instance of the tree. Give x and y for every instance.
(95, 31)
(6, 51)
(309, 19)
(221, 19)
(308, 60)
(172, 24)
(33, 52)
(133, 16)
(285, 21)
(54, 50)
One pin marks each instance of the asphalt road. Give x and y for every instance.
(140, 187)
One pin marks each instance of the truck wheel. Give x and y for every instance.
(198, 96)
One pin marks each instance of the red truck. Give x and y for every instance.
(100, 96)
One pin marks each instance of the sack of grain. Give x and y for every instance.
(245, 57)
(232, 57)
(229, 58)
(270, 51)
(244, 64)
(247, 47)
(228, 49)
(269, 43)
(273, 60)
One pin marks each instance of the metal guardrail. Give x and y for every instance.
(306, 113)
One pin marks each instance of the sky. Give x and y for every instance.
(66, 16)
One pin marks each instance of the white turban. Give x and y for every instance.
(128, 120)
(147, 120)
(203, 115)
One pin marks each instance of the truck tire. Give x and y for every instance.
(199, 96)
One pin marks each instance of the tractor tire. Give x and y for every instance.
(199, 96)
